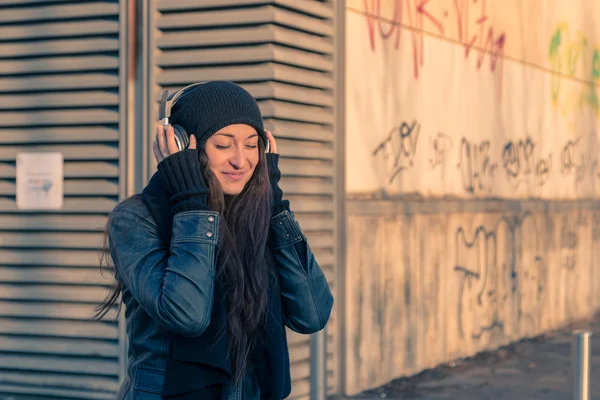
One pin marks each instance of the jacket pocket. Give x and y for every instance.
(148, 383)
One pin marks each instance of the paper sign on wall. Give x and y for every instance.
(40, 181)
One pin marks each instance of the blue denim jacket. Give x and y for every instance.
(169, 290)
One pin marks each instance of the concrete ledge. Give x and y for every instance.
(434, 206)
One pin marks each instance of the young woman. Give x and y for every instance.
(210, 262)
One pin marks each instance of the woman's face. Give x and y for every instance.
(232, 156)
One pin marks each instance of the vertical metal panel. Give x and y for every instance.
(61, 87)
(340, 190)
(282, 52)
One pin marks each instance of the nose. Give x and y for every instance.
(237, 159)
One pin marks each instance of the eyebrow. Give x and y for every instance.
(233, 137)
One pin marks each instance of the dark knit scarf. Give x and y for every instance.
(200, 367)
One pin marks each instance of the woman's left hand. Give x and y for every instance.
(272, 142)
(275, 174)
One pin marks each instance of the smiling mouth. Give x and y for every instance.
(234, 176)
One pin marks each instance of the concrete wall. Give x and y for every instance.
(472, 169)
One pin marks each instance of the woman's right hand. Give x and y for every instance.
(165, 144)
(180, 172)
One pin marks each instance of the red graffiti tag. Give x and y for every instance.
(413, 14)
(394, 24)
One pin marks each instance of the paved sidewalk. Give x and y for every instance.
(532, 369)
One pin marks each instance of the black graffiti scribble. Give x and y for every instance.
(568, 235)
(521, 161)
(440, 146)
(476, 167)
(543, 169)
(569, 241)
(569, 164)
(518, 157)
(596, 226)
(491, 276)
(578, 162)
(400, 147)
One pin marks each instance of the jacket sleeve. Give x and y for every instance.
(173, 285)
(306, 297)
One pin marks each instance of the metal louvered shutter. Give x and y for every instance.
(281, 52)
(59, 91)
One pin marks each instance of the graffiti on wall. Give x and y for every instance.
(399, 147)
(478, 43)
(497, 277)
(503, 270)
(445, 285)
(572, 54)
(482, 164)
(521, 160)
(476, 167)
(440, 146)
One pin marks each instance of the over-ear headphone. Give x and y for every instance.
(164, 113)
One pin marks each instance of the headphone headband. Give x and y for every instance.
(167, 102)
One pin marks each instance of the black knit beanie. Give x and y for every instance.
(209, 107)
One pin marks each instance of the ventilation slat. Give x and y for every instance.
(33, 222)
(298, 149)
(58, 29)
(244, 55)
(65, 329)
(71, 258)
(63, 311)
(320, 240)
(255, 35)
(56, 100)
(73, 365)
(73, 170)
(67, 117)
(66, 134)
(52, 346)
(32, 2)
(290, 93)
(61, 82)
(25, 379)
(58, 47)
(303, 41)
(295, 186)
(52, 274)
(70, 152)
(315, 223)
(79, 240)
(244, 16)
(68, 11)
(314, 8)
(59, 393)
(79, 293)
(226, 17)
(70, 205)
(296, 112)
(301, 167)
(303, 59)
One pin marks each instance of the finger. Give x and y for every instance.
(192, 142)
(162, 141)
(272, 142)
(171, 143)
(156, 151)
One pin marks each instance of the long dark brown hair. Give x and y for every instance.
(243, 261)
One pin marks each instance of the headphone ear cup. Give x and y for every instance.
(182, 136)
